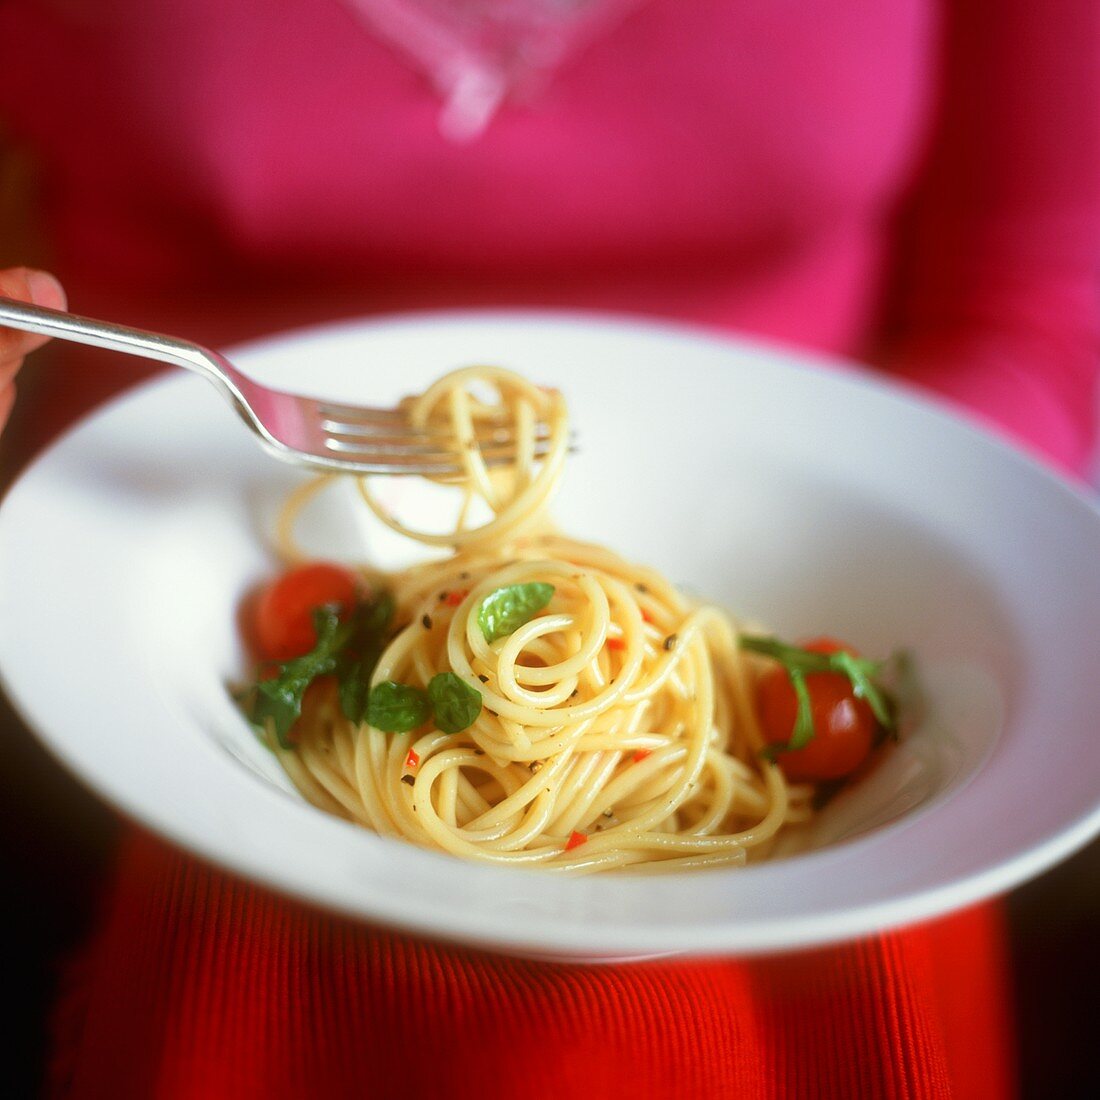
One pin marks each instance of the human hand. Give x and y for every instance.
(26, 285)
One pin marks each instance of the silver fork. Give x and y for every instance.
(308, 431)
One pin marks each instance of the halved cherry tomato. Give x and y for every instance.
(844, 726)
(284, 609)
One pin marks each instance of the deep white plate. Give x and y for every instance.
(797, 492)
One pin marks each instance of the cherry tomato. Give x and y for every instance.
(284, 609)
(844, 726)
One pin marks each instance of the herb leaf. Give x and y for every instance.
(859, 672)
(803, 731)
(354, 691)
(367, 640)
(507, 609)
(397, 708)
(280, 699)
(456, 704)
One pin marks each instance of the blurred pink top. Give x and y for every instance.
(912, 183)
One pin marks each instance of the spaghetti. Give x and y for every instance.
(616, 726)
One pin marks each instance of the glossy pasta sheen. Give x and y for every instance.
(617, 728)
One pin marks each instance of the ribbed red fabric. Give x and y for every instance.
(202, 985)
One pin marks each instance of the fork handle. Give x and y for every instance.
(132, 341)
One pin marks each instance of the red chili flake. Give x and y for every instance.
(455, 598)
(641, 754)
(646, 616)
(575, 840)
(412, 760)
(616, 643)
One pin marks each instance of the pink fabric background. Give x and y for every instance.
(914, 182)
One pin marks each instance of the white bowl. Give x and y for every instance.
(799, 492)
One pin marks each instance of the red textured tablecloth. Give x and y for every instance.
(203, 985)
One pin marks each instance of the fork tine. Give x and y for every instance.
(397, 427)
(359, 412)
(415, 453)
(338, 408)
(371, 463)
(399, 432)
(368, 415)
(396, 412)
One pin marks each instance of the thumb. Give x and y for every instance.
(43, 289)
(26, 285)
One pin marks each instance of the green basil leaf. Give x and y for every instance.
(373, 619)
(369, 626)
(803, 732)
(507, 609)
(456, 704)
(280, 698)
(397, 708)
(354, 676)
(859, 673)
(281, 701)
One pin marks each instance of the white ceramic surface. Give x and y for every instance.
(798, 492)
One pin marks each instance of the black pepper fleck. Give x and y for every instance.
(426, 622)
(483, 679)
(408, 779)
(670, 641)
